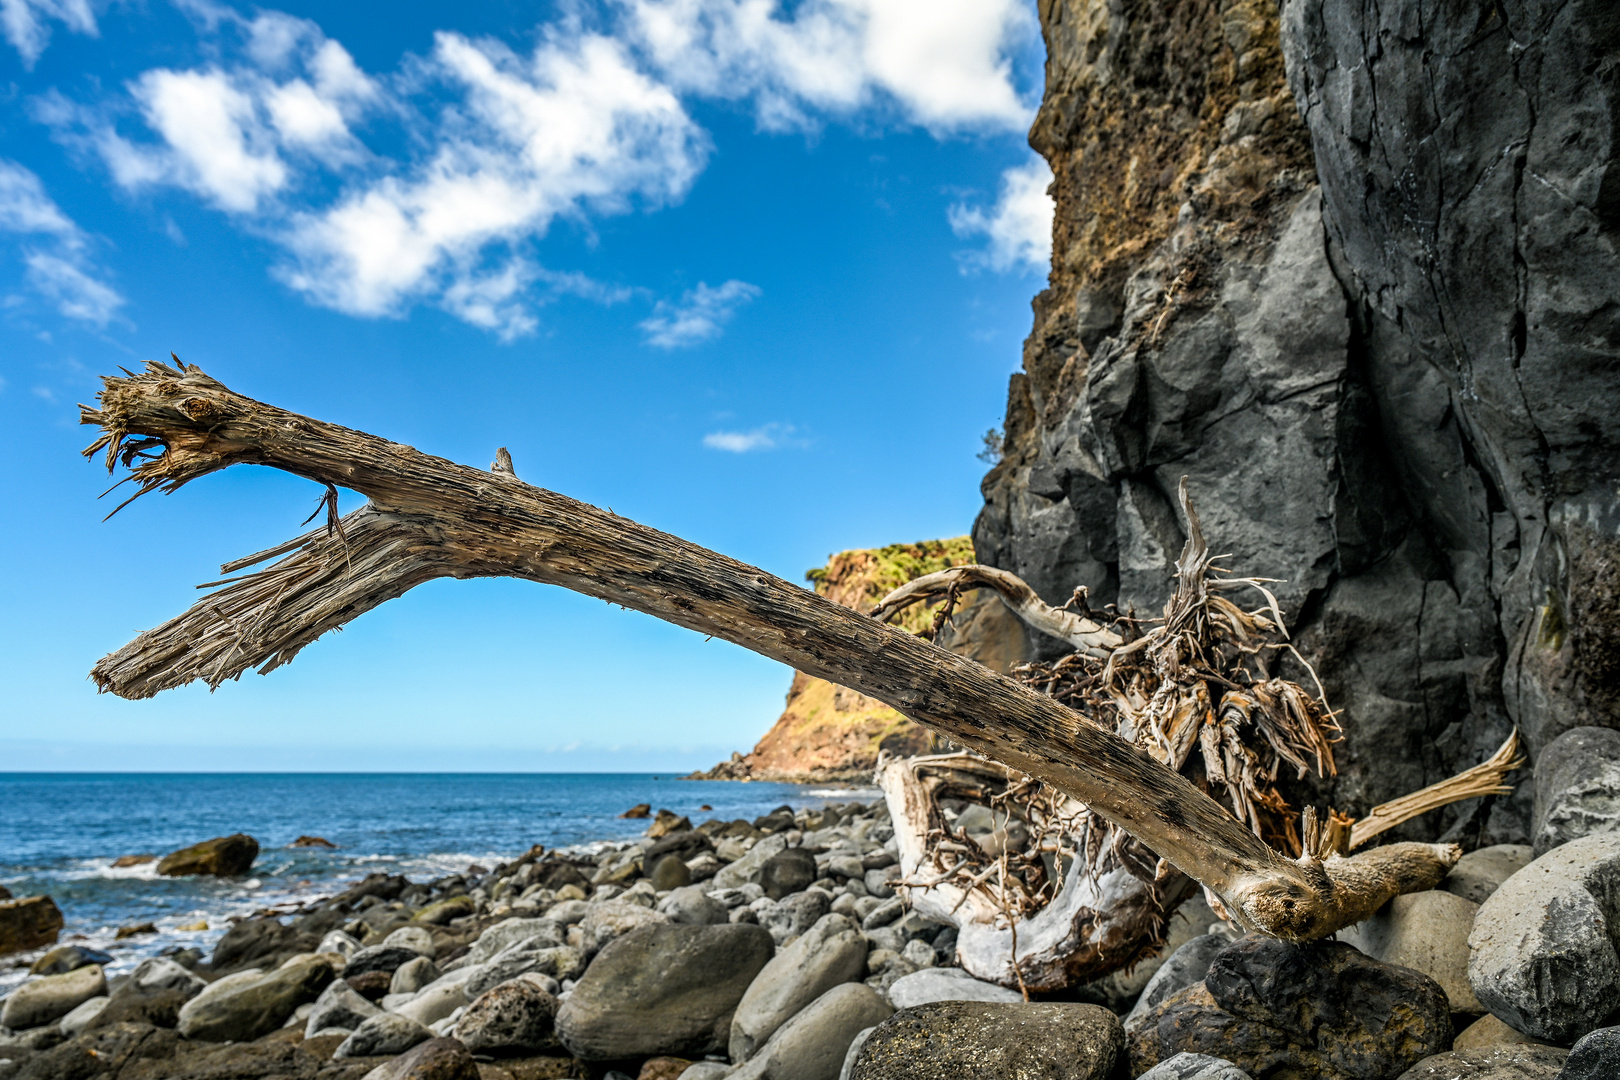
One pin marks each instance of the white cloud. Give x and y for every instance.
(699, 315)
(768, 437)
(943, 62)
(63, 273)
(1018, 227)
(24, 22)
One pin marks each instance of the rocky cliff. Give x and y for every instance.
(1351, 268)
(830, 733)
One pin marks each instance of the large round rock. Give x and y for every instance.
(515, 1017)
(666, 989)
(831, 953)
(1595, 1057)
(1543, 953)
(223, 856)
(1050, 1040)
(1491, 1063)
(242, 1014)
(1320, 1010)
(787, 872)
(1577, 787)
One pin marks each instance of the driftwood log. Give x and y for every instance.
(428, 518)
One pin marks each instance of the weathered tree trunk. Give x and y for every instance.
(433, 518)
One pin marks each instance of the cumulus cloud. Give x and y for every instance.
(57, 260)
(1018, 227)
(942, 62)
(26, 23)
(699, 315)
(767, 437)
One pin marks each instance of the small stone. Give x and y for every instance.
(993, 1041)
(663, 1068)
(385, 1033)
(693, 907)
(613, 919)
(28, 923)
(81, 1016)
(1491, 1063)
(50, 997)
(787, 919)
(434, 1003)
(747, 868)
(1427, 932)
(374, 985)
(412, 975)
(787, 872)
(312, 842)
(880, 883)
(378, 958)
(137, 930)
(1577, 787)
(514, 1017)
(124, 862)
(945, 984)
(1595, 1057)
(1542, 954)
(884, 914)
(415, 938)
(669, 872)
(338, 1007)
(436, 1059)
(1195, 1067)
(666, 822)
(440, 912)
(1480, 873)
(336, 941)
(223, 856)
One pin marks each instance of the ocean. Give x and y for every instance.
(61, 832)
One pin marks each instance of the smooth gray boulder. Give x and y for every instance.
(50, 997)
(154, 993)
(814, 1044)
(221, 986)
(338, 1007)
(748, 868)
(385, 1033)
(411, 976)
(1427, 932)
(612, 919)
(416, 938)
(515, 1017)
(830, 953)
(246, 1012)
(1577, 787)
(945, 984)
(787, 919)
(1543, 951)
(1480, 873)
(664, 989)
(999, 1040)
(1491, 1063)
(787, 872)
(1187, 1066)
(693, 906)
(1181, 969)
(81, 1015)
(1595, 1057)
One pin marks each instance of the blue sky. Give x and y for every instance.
(751, 273)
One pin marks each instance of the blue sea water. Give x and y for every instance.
(61, 832)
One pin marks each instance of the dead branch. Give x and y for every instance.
(441, 519)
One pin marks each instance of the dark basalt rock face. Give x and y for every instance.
(1351, 269)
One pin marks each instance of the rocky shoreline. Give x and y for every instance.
(778, 949)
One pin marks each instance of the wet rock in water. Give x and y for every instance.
(813, 1044)
(440, 912)
(124, 862)
(82, 1016)
(945, 984)
(832, 952)
(412, 975)
(373, 985)
(787, 872)
(1491, 1063)
(136, 930)
(1185, 967)
(154, 993)
(28, 923)
(313, 842)
(1195, 1067)
(66, 958)
(666, 822)
(669, 872)
(1480, 873)
(663, 990)
(338, 1007)
(1427, 932)
(612, 919)
(415, 938)
(640, 810)
(436, 1059)
(1577, 787)
(692, 906)
(747, 868)
(386, 958)
(258, 1007)
(385, 1033)
(513, 1018)
(787, 919)
(1595, 1057)
(49, 997)
(993, 1040)
(1321, 1009)
(1543, 954)
(223, 856)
